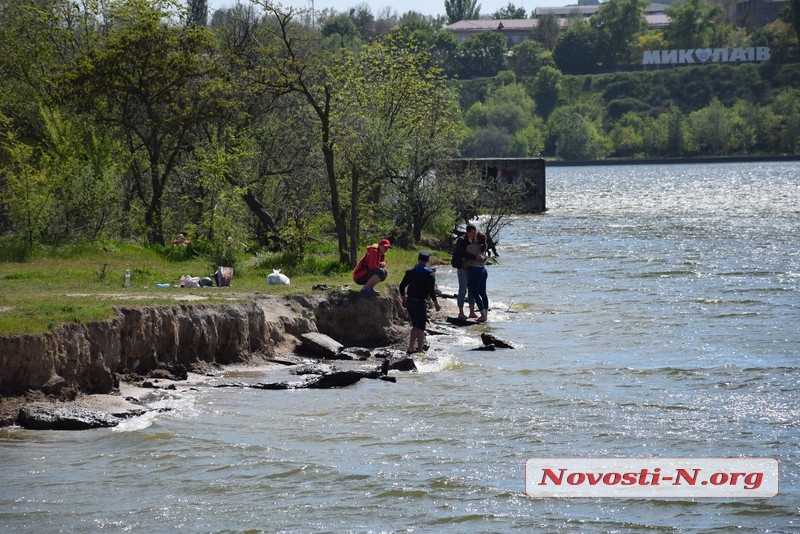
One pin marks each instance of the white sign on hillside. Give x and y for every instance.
(705, 55)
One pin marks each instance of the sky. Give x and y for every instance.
(426, 7)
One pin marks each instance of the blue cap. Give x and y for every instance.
(424, 256)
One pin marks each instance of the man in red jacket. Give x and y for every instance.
(371, 269)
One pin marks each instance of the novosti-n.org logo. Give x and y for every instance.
(652, 477)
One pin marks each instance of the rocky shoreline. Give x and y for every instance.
(96, 375)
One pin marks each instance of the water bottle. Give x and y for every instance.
(127, 278)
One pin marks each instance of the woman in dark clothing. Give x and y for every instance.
(478, 276)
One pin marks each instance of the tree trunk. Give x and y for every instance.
(263, 216)
(354, 222)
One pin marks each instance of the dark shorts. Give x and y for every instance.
(382, 274)
(418, 311)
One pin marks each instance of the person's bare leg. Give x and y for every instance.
(411, 339)
(372, 282)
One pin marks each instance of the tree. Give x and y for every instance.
(791, 14)
(546, 31)
(458, 10)
(362, 17)
(576, 51)
(26, 191)
(83, 165)
(295, 63)
(416, 32)
(782, 40)
(626, 135)
(529, 141)
(510, 12)
(547, 90)
(690, 23)
(265, 149)
(37, 39)
(667, 134)
(367, 108)
(491, 141)
(509, 107)
(576, 136)
(787, 107)
(526, 58)
(342, 31)
(399, 127)
(716, 128)
(481, 55)
(500, 123)
(617, 24)
(198, 12)
(156, 83)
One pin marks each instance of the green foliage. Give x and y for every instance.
(576, 136)
(616, 24)
(13, 249)
(28, 191)
(481, 55)
(154, 81)
(547, 90)
(527, 58)
(546, 31)
(291, 265)
(627, 135)
(691, 23)
(619, 107)
(458, 10)
(576, 51)
(128, 120)
(510, 12)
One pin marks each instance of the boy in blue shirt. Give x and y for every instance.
(421, 284)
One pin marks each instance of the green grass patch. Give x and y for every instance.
(84, 282)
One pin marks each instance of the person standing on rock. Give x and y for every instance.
(420, 281)
(478, 275)
(460, 257)
(371, 268)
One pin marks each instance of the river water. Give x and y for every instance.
(655, 313)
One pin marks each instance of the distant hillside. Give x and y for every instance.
(688, 111)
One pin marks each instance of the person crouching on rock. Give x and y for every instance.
(421, 284)
(371, 268)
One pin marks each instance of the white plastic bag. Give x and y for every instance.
(190, 281)
(277, 278)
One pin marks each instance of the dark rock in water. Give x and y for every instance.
(432, 332)
(289, 359)
(489, 339)
(48, 417)
(354, 353)
(321, 345)
(388, 353)
(461, 322)
(312, 369)
(337, 379)
(402, 363)
(398, 360)
(324, 375)
(323, 380)
(485, 347)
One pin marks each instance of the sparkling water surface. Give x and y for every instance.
(655, 313)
